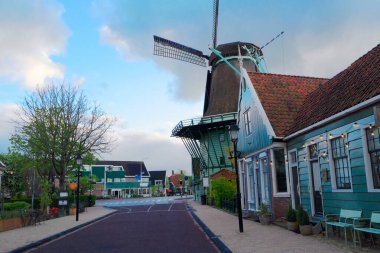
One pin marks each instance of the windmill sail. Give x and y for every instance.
(215, 27)
(171, 49)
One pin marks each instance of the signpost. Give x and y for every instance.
(63, 196)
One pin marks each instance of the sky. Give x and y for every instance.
(106, 47)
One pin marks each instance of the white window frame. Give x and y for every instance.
(291, 179)
(109, 180)
(117, 180)
(274, 174)
(334, 187)
(157, 182)
(247, 122)
(367, 161)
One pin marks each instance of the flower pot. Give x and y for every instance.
(72, 211)
(292, 226)
(265, 219)
(305, 229)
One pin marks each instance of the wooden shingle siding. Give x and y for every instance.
(333, 201)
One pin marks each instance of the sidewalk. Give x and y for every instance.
(16, 238)
(265, 239)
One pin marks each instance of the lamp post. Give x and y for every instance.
(234, 130)
(79, 163)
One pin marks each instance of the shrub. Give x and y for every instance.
(302, 217)
(264, 210)
(291, 215)
(223, 189)
(16, 206)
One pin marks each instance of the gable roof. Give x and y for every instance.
(282, 96)
(357, 83)
(157, 175)
(131, 168)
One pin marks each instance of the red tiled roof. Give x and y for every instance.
(358, 83)
(227, 174)
(282, 96)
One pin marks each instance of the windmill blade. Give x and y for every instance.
(171, 49)
(215, 27)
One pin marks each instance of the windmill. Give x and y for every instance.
(206, 138)
(222, 79)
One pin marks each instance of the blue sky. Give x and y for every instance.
(106, 47)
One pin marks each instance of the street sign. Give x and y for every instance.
(205, 182)
(62, 202)
(186, 178)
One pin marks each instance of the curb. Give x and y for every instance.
(215, 239)
(55, 236)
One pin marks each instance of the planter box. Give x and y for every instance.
(292, 226)
(305, 229)
(265, 219)
(72, 211)
(13, 223)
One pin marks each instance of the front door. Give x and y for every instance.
(316, 188)
(296, 187)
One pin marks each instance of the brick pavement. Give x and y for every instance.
(259, 238)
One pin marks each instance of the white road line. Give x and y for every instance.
(149, 208)
(170, 207)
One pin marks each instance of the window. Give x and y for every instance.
(373, 145)
(313, 151)
(117, 180)
(158, 182)
(123, 179)
(279, 163)
(340, 169)
(247, 122)
(222, 160)
(109, 180)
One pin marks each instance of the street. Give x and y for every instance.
(138, 228)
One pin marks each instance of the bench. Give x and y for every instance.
(343, 220)
(374, 221)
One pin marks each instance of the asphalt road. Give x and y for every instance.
(166, 228)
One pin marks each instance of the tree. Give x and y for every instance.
(56, 123)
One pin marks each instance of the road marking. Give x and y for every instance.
(149, 208)
(170, 207)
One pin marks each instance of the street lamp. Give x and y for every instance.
(79, 163)
(234, 130)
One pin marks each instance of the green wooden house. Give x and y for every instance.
(334, 142)
(267, 105)
(120, 179)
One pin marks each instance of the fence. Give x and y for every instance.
(228, 204)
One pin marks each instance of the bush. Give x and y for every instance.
(264, 210)
(223, 189)
(302, 217)
(16, 206)
(291, 215)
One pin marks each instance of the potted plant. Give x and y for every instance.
(303, 221)
(265, 216)
(291, 219)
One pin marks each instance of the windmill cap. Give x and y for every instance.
(231, 49)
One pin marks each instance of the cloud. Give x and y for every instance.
(154, 148)
(31, 33)
(129, 26)
(8, 115)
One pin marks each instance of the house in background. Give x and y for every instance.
(268, 105)
(158, 179)
(120, 179)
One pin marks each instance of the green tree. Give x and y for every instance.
(57, 123)
(45, 199)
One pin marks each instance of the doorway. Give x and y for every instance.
(316, 188)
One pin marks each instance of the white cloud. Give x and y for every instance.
(31, 33)
(151, 147)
